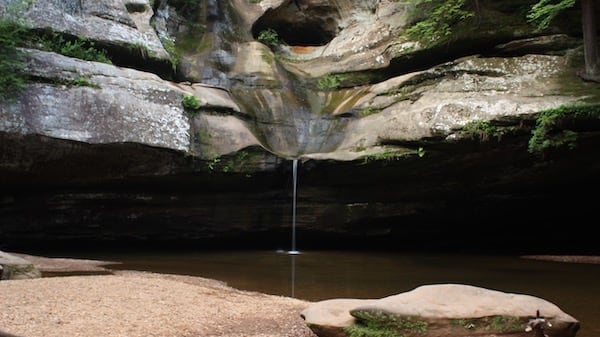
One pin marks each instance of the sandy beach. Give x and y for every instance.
(140, 304)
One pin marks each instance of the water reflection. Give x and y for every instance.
(293, 279)
(319, 275)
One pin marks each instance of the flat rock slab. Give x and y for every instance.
(439, 310)
(13, 267)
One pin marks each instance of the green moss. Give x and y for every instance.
(174, 56)
(505, 324)
(550, 131)
(330, 81)
(380, 324)
(393, 155)
(84, 81)
(482, 130)
(239, 162)
(270, 37)
(497, 324)
(76, 47)
(368, 111)
(268, 57)
(191, 104)
(410, 90)
(12, 60)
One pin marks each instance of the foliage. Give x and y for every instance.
(543, 12)
(84, 81)
(80, 48)
(391, 155)
(76, 47)
(174, 56)
(547, 133)
(270, 37)
(330, 81)
(12, 60)
(498, 323)
(190, 103)
(482, 130)
(212, 165)
(435, 27)
(383, 325)
(368, 111)
(13, 29)
(237, 163)
(505, 324)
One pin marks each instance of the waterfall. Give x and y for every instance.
(294, 192)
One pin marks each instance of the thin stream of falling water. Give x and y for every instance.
(295, 183)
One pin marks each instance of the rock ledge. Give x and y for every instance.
(440, 310)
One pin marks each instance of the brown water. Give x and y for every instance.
(319, 275)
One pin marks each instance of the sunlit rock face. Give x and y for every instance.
(111, 22)
(115, 105)
(91, 151)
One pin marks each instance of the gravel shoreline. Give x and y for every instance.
(140, 304)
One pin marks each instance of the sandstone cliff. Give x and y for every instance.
(383, 125)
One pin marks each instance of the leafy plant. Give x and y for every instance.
(384, 156)
(190, 103)
(13, 30)
(482, 130)
(330, 81)
(174, 55)
(12, 60)
(77, 47)
(435, 27)
(212, 165)
(270, 37)
(547, 133)
(543, 12)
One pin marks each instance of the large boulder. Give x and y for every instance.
(440, 310)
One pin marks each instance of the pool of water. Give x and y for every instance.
(319, 275)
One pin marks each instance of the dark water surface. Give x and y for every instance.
(319, 275)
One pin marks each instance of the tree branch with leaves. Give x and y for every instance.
(542, 14)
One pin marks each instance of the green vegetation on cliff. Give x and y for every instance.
(12, 60)
(552, 126)
(433, 20)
